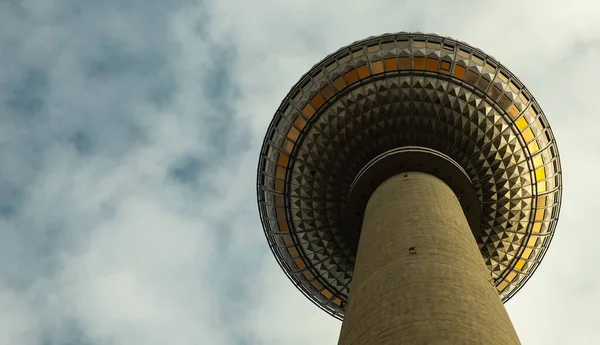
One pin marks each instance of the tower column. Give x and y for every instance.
(419, 277)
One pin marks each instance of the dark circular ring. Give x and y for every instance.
(409, 159)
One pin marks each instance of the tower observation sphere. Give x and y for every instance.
(409, 183)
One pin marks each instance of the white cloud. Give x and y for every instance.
(100, 235)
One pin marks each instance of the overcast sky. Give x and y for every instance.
(129, 139)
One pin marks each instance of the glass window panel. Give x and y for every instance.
(283, 226)
(377, 67)
(363, 72)
(513, 111)
(445, 66)
(419, 62)
(283, 159)
(317, 101)
(539, 214)
(390, 64)
(327, 92)
(309, 276)
(533, 147)
(528, 135)
(541, 187)
(340, 83)
(403, 63)
(471, 77)
(299, 263)
(308, 111)
(459, 72)
(327, 294)
(279, 185)
(280, 172)
(432, 64)
(540, 173)
(351, 77)
(521, 123)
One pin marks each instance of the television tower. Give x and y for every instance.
(409, 184)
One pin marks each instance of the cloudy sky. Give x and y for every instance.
(129, 138)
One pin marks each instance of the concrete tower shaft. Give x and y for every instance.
(419, 276)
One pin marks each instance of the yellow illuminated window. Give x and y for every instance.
(308, 275)
(300, 123)
(511, 276)
(513, 111)
(513, 87)
(287, 239)
(528, 135)
(532, 241)
(288, 145)
(351, 77)
(521, 123)
(390, 64)
(526, 253)
(520, 264)
(293, 133)
(308, 111)
(432, 65)
(537, 227)
(403, 63)
(539, 214)
(445, 66)
(283, 159)
(459, 72)
(363, 72)
(377, 67)
(293, 252)
(477, 60)
(337, 302)
(541, 187)
(300, 264)
(502, 286)
(283, 226)
(541, 201)
(327, 293)
(419, 63)
(534, 147)
(317, 101)
(540, 173)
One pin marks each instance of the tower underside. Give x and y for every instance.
(419, 277)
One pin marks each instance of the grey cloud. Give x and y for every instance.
(130, 138)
